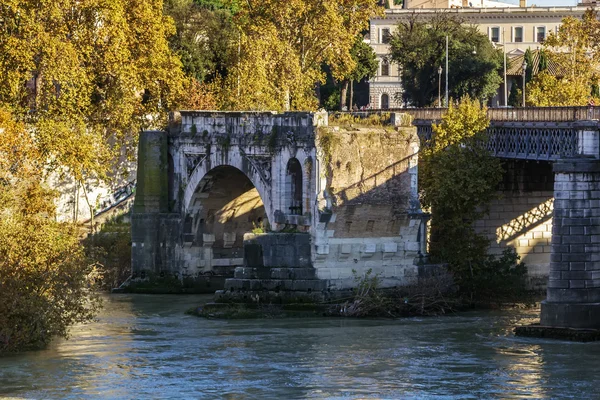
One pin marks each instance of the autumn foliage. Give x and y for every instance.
(573, 50)
(44, 278)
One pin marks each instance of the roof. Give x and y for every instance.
(514, 66)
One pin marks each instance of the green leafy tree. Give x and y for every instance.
(458, 178)
(366, 64)
(543, 65)
(514, 97)
(528, 57)
(418, 46)
(205, 39)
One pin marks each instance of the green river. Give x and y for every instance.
(145, 347)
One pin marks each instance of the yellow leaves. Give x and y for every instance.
(284, 44)
(18, 154)
(201, 96)
(574, 52)
(81, 68)
(547, 90)
(459, 123)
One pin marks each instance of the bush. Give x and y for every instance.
(111, 248)
(45, 282)
(458, 178)
(498, 279)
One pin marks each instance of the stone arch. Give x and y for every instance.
(294, 188)
(224, 205)
(257, 169)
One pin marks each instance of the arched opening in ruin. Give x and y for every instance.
(224, 207)
(294, 187)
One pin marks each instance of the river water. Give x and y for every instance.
(144, 346)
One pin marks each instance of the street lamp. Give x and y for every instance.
(440, 86)
(446, 100)
(524, 73)
(504, 57)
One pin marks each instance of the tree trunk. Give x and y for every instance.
(343, 95)
(351, 95)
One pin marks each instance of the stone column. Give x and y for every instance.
(573, 297)
(150, 200)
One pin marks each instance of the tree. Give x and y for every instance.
(547, 90)
(78, 80)
(205, 37)
(528, 58)
(574, 54)
(366, 64)
(418, 46)
(543, 64)
(458, 178)
(86, 76)
(283, 45)
(44, 278)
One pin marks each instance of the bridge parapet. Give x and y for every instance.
(539, 141)
(246, 127)
(516, 114)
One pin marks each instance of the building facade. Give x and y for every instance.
(513, 28)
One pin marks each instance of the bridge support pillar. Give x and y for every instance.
(573, 296)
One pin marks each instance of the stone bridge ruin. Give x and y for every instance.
(338, 201)
(347, 197)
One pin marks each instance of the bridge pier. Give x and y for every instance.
(573, 295)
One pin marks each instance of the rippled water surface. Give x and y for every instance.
(145, 347)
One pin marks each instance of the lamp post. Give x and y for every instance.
(440, 86)
(524, 73)
(446, 99)
(504, 57)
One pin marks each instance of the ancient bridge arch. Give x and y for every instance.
(256, 167)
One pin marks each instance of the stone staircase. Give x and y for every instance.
(278, 271)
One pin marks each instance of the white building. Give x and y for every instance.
(514, 28)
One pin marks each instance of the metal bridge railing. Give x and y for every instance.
(520, 114)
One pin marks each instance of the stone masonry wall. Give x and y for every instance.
(522, 217)
(368, 192)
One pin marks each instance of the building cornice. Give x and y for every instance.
(486, 13)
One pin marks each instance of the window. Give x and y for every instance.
(518, 34)
(385, 36)
(495, 34)
(540, 34)
(385, 67)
